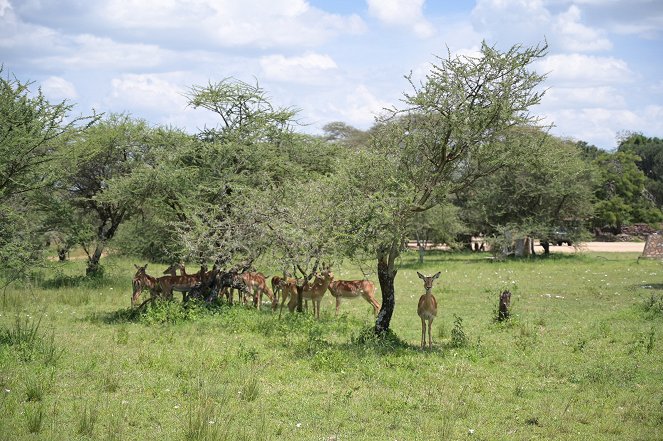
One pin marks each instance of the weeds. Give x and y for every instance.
(458, 337)
(653, 305)
(251, 388)
(87, 420)
(34, 418)
(25, 338)
(35, 388)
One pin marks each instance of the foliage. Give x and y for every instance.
(458, 337)
(346, 135)
(448, 135)
(33, 153)
(650, 153)
(439, 225)
(550, 188)
(246, 112)
(622, 197)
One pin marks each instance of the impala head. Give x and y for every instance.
(137, 283)
(428, 280)
(172, 269)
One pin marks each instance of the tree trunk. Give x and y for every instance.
(93, 266)
(546, 246)
(62, 254)
(300, 297)
(422, 251)
(386, 277)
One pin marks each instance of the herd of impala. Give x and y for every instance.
(210, 284)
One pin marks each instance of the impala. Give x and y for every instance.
(288, 290)
(142, 281)
(351, 289)
(182, 283)
(427, 309)
(314, 291)
(256, 285)
(280, 288)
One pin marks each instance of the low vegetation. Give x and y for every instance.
(579, 358)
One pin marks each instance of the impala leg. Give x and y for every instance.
(423, 333)
(338, 303)
(430, 334)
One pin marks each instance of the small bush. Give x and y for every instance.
(458, 337)
(654, 305)
(34, 418)
(26, 339)
(87, 421)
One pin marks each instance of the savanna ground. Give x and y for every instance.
(580, 358)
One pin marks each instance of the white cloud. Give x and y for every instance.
(146, 92)
(5, 7)
(575, 36)
(228, 23)
(407, 13)
(91, 52)
(512, 21)
(565, 97)
(58, 88)
(307, 68)
(584, 70)
(360, 107)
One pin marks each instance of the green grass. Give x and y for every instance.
(579, 358)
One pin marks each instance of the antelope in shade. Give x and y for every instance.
(182, 283)
(282, 287)
(314, 291)
(201, 277)
(351, 289)
(288, 291)
(256, 285)
(142, 281)
(427, 309)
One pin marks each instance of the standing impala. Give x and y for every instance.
(142, 281)
(427, 309)
(314, 291)
(351, 289)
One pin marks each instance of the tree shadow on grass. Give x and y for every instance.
(651, 286)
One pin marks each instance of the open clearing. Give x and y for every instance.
(579, 359)
(609, 247)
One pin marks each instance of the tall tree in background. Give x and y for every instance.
(622, 196)
(448, 136)
(33, 149)
(108, 152)
(548, 189)
(650, 152)
(439, 225)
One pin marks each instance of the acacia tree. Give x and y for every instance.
(33, 149)
(548, 189)
(650, 151)
(446, 137)
(622, 196)
(439, 225)
(239, 164)
(106, 153)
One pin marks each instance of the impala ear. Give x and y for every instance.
(137, 267)
(436, 275)
(421, 276)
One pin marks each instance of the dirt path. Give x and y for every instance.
(603, 247)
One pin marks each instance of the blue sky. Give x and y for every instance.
(341, 60)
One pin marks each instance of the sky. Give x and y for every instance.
(335, 60)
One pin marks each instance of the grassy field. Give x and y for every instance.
(580, 359)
